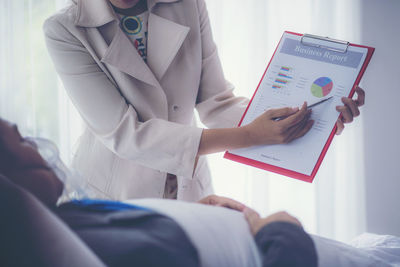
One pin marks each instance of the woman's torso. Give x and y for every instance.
(182, 73)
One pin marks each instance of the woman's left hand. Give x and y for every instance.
(218, 201)
(350, 109)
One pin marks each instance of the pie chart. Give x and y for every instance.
(321, 87)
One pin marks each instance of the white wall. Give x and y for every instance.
(381, 29)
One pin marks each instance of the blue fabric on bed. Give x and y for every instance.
(104, 205)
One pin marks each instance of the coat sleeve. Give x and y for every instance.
(217, 106)
(108, 115)
(285, 244)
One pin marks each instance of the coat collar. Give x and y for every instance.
(164, 40)
(96, 13)
(165, 37)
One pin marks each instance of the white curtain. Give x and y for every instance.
(30, 92)
(246, 33)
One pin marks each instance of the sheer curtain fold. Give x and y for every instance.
(13, 55)
(246, 33)
(31, 94)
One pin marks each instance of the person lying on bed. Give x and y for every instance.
(152, 232)
(145, 232)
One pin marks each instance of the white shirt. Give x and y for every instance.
(221, 236)
(135, 27)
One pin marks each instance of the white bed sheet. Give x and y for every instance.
(367, 250)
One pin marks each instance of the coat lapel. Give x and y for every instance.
(123, 55)
(165, 37)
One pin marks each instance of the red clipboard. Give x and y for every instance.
(287, 172)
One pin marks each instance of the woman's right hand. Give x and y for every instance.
(256, 222)
(266, 130)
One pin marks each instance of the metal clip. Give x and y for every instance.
(326, 39)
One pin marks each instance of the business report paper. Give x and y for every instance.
(297, 73)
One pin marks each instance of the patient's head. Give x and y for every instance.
(22, 164)
(16, 152)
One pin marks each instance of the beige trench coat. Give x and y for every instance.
(140, 117)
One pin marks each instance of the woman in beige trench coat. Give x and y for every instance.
(140, 138)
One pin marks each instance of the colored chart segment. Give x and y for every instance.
(284, 76)
(322, 87)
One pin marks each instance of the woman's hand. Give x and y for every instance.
(218, 201)
(265, 130)
(350, 109)
(256, 222)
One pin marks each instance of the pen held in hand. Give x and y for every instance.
(308, 107)
(319, 102)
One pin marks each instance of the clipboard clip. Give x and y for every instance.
(324, 42)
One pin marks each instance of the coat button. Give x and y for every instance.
(175, 108)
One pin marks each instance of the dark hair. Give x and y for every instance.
(6, 159)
